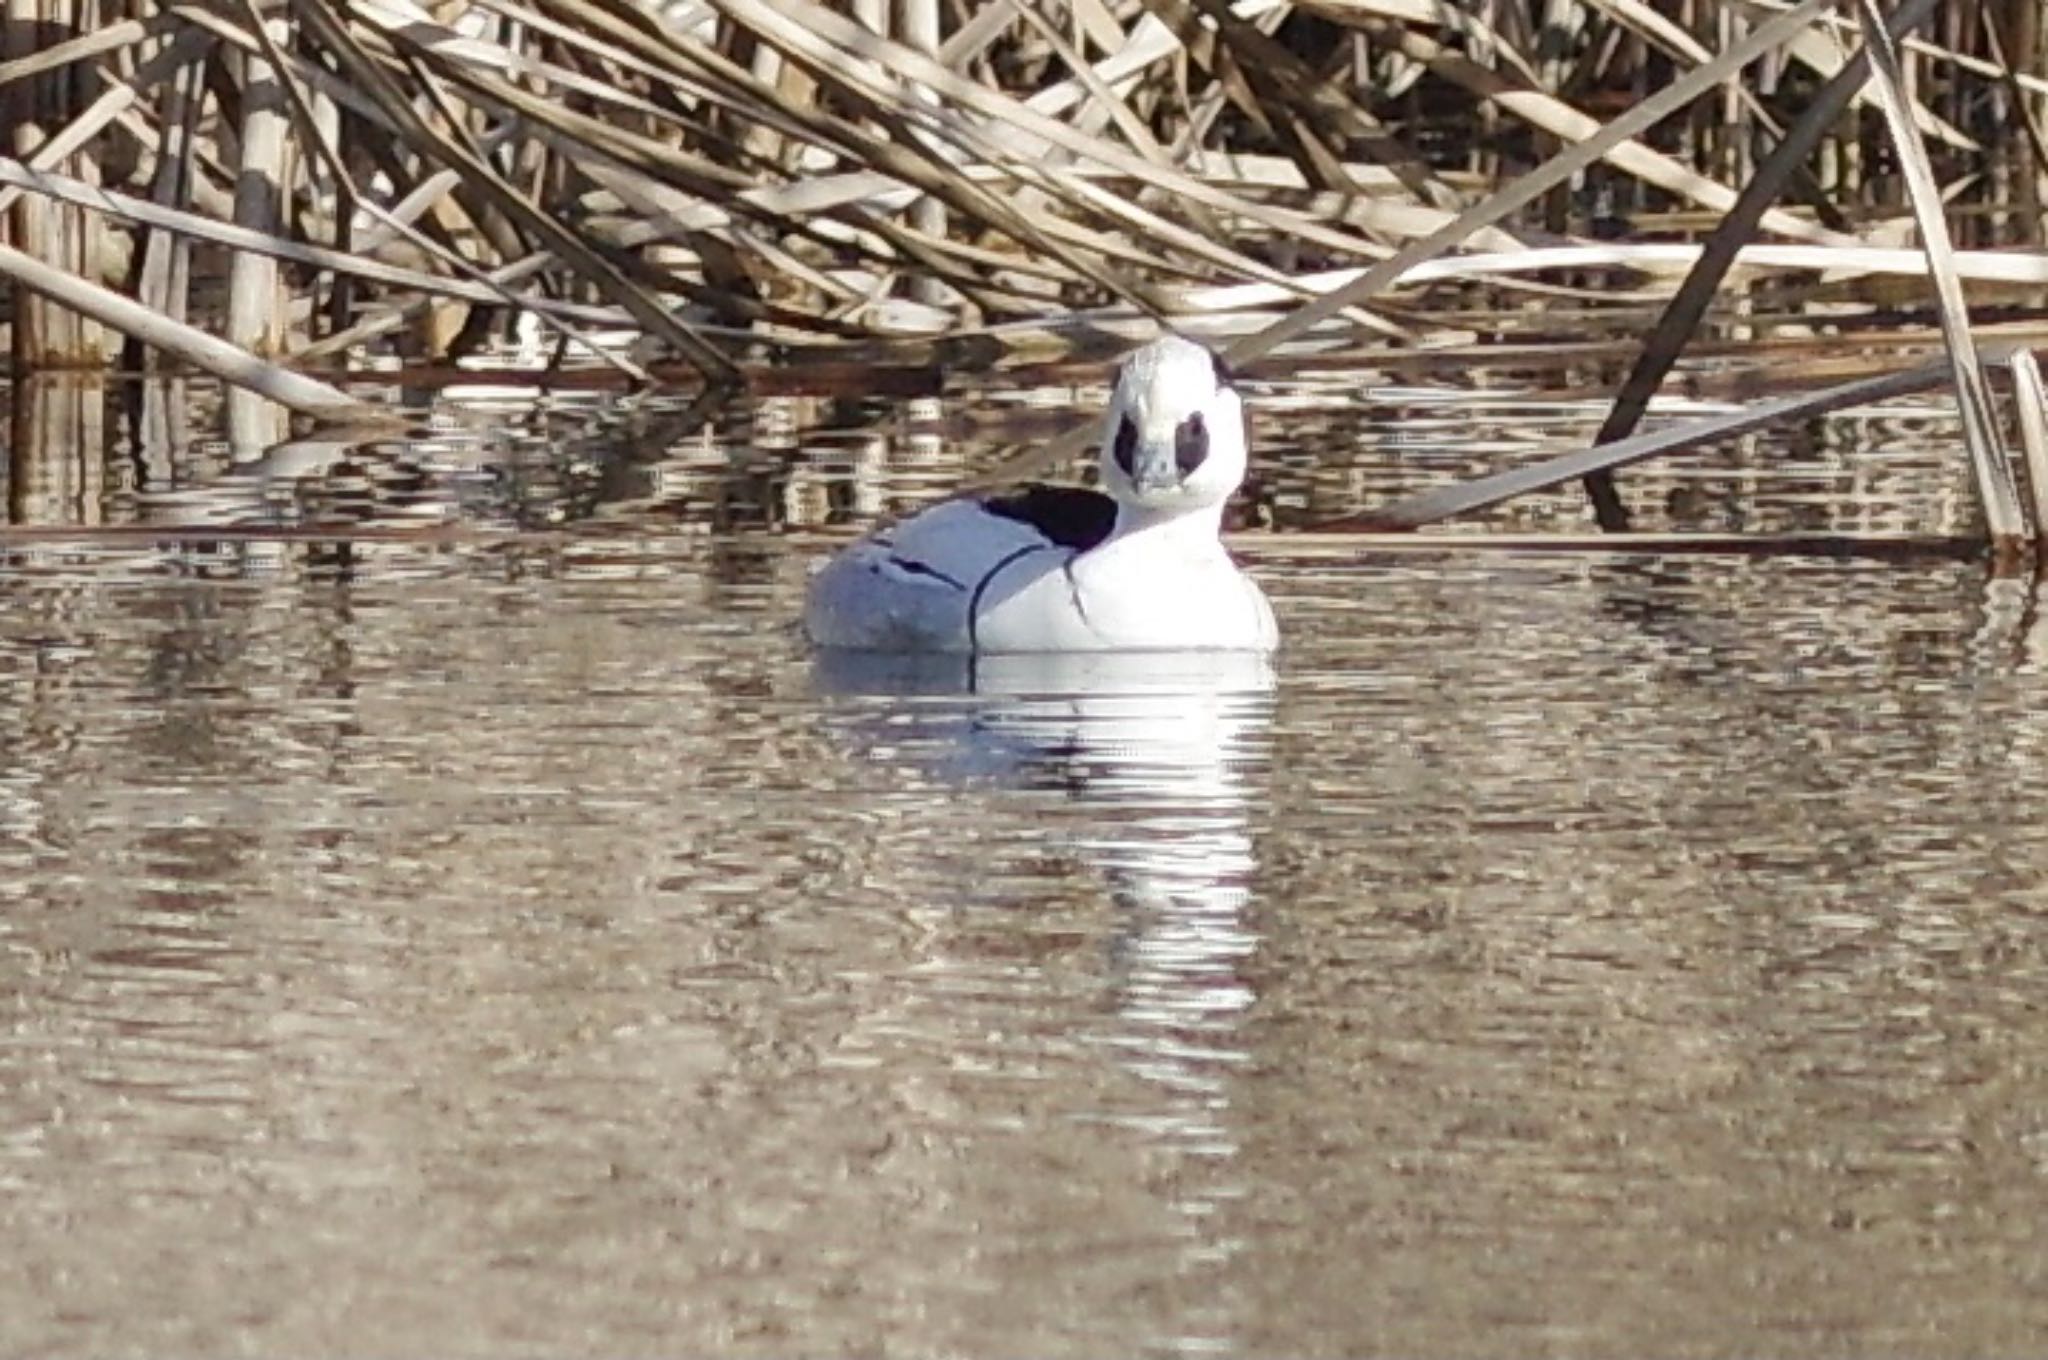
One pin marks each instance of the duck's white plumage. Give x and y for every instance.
(1136, 566)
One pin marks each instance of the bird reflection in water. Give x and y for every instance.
(1164, 751)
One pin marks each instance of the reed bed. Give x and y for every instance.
(285, 192)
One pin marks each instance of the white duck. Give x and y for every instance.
(1137, 566)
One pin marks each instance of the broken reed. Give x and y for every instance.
(791, 179)
(251, 187)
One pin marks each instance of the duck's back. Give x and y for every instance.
(914, 586)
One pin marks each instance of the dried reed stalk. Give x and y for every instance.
(766, 179)
(1995, 490)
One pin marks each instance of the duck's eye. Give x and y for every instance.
(1190, 444)
(1127, 445)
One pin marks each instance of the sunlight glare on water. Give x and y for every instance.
(521, 945)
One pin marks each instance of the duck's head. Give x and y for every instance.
(1174, 439)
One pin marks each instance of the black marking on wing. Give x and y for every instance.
(981, 588)
(1221, 368)
(917, 568)
(1072, 516)
(1074, 593)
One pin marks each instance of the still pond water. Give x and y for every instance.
(519, 945)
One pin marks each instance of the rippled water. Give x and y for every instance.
(518, 945)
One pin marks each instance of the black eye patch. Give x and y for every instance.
(1126, 445)
(1191, 444)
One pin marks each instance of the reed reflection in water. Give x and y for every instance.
(1328, 443)
(519, 943)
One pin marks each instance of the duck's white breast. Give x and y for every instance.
(1126, 595)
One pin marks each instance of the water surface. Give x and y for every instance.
(518, 945)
